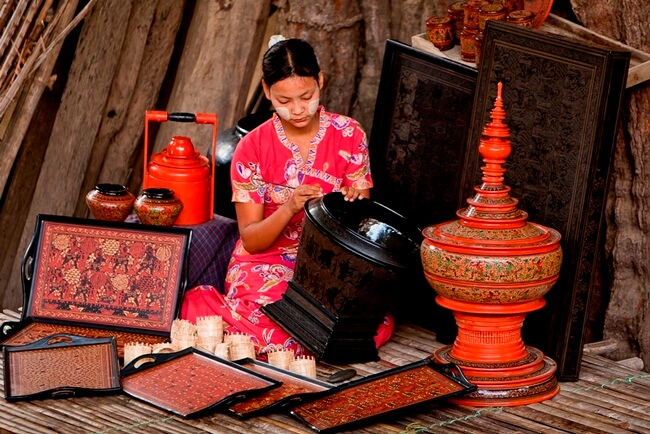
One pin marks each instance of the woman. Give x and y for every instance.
(301, 153)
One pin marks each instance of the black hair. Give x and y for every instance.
(287, 58)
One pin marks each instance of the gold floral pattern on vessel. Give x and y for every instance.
(490, 295)
(494, 215)
(494, 269)
(456, 233)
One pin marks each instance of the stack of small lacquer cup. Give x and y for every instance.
(208, 335)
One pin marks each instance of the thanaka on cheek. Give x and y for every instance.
(313, 106)
(283, 112)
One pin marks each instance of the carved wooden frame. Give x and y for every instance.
(417, 147)
(419, 133)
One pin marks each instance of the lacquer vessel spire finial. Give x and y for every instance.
(494, 146)
(492, 206)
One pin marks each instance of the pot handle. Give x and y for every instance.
(199, 118)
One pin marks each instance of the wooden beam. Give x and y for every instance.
(14, 205)
(143, 63)
(216, 68)
(77, 122)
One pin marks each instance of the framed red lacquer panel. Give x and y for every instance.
(119, 277)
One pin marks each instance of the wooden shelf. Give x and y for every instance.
(639, 70)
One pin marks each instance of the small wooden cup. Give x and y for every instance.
(242, 350)
(304, 365)
(133, 350)
(281, 358)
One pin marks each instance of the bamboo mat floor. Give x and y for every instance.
(609, 398)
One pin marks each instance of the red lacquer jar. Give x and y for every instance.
(456, 12)
(441, 32)
(111, 202)
(468, 45)
(158, 207)
(493, 11)
(523, 18)
(470, 17)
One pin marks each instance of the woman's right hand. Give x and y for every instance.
(302, 194)
(258, 233)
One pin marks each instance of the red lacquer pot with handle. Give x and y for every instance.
(181, 168)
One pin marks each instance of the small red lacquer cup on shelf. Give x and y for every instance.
(440, 30)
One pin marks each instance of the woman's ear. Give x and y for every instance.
(320, 80)
(267, 91)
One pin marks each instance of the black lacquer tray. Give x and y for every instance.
(295, 389)
(362, 401)
(61, 366)
(191, 382)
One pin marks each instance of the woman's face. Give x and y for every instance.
(295, 99)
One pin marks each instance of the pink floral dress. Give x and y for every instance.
(264, 164)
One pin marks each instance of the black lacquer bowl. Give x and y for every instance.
(354, 256)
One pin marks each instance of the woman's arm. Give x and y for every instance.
(258, 233)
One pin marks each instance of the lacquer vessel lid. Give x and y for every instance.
(492, 222)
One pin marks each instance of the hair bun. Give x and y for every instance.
(274, 39)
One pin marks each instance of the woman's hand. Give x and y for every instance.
(259, 233)
(350, 194)
(302, 194)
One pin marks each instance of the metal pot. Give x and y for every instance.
(226, 143)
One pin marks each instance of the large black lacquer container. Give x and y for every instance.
(354, 260)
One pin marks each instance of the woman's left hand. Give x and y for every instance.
(350, 194)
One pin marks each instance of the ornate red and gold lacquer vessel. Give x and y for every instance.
(491, 267)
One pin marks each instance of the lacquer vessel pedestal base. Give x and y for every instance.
(491, 354)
